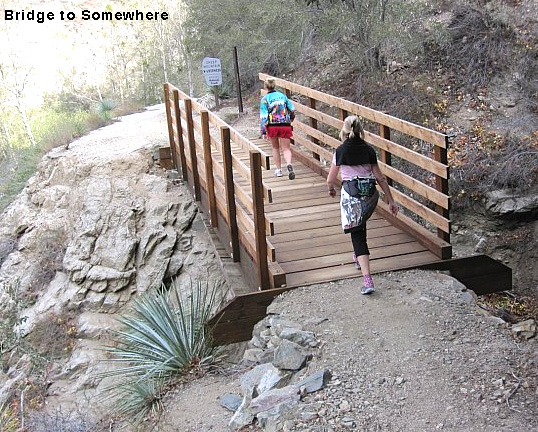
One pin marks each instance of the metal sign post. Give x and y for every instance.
(238, 81)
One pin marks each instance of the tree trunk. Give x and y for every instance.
(189, 77)
(5, 145)
(26, 123)
(163, 60)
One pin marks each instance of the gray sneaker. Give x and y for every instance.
(367, 290)
(291, 173)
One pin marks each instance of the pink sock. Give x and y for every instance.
(368, 282)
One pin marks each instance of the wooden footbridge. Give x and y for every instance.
(284, 234)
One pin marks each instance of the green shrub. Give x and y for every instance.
(139, 399)
(21, 169)
(52, 128)
(163, 338)
(105, 108)
(9, 421)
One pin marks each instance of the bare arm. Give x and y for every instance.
(331, 179)
(382, 181)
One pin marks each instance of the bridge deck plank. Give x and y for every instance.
(309, 242)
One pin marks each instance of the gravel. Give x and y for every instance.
(417, 355)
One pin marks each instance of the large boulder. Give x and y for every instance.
(510, 204)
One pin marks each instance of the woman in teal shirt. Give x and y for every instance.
(276, 114)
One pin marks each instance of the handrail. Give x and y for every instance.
(234, 135)
(379, 117)
(217, 177)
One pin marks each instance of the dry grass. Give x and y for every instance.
(52, 245)
(478, 47)
(59, 421)
(484, 161)
(54, 336)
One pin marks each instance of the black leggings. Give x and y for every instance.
(358, 238)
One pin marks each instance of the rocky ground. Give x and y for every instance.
(418, 355)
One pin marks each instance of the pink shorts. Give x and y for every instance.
(279, 132)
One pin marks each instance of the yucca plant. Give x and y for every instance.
(105, 108)
(164, 337)
(138, 399)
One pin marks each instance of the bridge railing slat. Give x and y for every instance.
(179, 144)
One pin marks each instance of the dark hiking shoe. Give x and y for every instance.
(291, 173)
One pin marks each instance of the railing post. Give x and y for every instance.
(192, 150)
(208, 162)
(181, 144)
(441, 184)
(314, 125)
(169, 121)
(259, 220)
(230, 191)
(385, 156)
(342, 114)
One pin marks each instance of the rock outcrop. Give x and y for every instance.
(96, 225)
(508, 204)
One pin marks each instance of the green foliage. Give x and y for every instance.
(138, 399)
(266, 38)
(16, 173)
(371, 34)
(50, 341)
(10, 317)
(52, 128)
(9, 337)
(223, 91)
(105, 109)
(9, 421)
(164, 337)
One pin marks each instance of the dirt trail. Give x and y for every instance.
(418, 355)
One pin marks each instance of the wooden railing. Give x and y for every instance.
(426, 205)
(230, 191)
